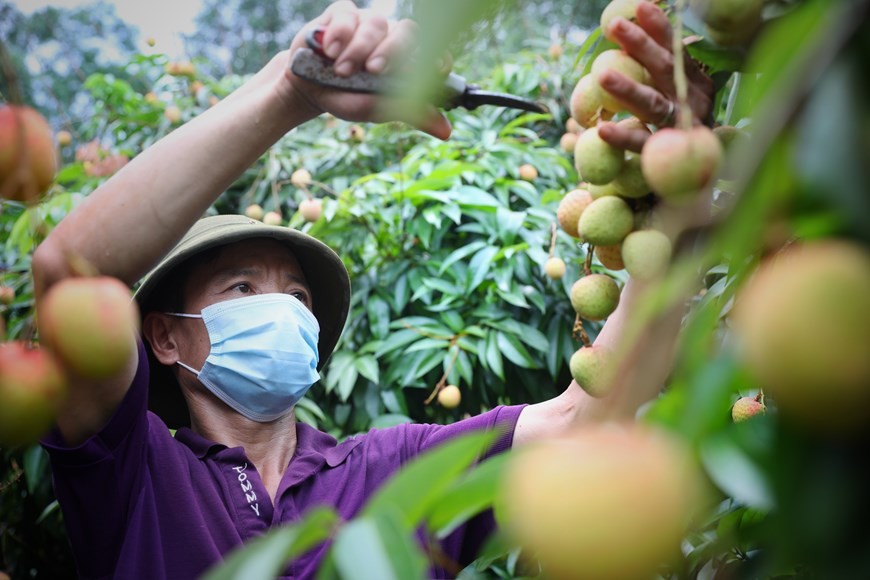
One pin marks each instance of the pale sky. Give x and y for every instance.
(162, 20)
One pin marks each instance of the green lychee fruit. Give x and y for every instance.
(606, 221)
(621, 62)
(587, 107)
(591, 368)
(677, 164)
(597, 191)
(803, 324)
(610, 256)
(596, 160)
(747, 407)
(595, 297)
(646, 253)
(617, 8)
(571, 208)
(555, 268)
(630, 181)
(729, 16)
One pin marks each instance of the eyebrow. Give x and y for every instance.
(226, 274)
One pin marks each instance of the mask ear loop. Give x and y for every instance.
(191, 369)
(183, 315)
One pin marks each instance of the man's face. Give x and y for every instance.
(246, 268)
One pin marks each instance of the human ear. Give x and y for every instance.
(158, 329)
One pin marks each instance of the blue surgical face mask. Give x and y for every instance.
(263, 355)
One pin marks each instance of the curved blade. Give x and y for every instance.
(473, 98)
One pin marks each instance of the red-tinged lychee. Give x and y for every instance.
(571, 208)
(606, 221)
(272, 218)
(602, 502)
(596, 160)
(91, 324)
(311, 209)
(802, 324)
(747, 407)
(610, 256)
(678, 164)
(595, 297)
(28, 159)
(32, 389)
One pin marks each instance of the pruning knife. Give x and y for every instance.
(313, 65)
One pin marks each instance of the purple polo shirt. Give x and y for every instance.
(139, 503)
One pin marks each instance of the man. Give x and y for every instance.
(238, 319)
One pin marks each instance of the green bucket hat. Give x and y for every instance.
(325, 272)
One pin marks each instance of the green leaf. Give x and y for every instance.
(460, 254)
(266, 556)
(493, 354)
(479, 267)
(377, 547)
(367, 365)
(467, 497)
(413, 490)
(397, 340)
(735, 473)
(514, 351)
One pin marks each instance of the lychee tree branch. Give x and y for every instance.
(684, 111)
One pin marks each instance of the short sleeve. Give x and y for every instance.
(96, 482)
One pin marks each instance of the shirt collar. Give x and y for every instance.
(311, 445)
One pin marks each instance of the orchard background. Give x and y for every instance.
(446, 243)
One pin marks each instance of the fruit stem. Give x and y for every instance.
(684, 112)
(442, 382)
(587, 265)
(579, 333)
(552, 239)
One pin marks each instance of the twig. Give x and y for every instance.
(684, 112)
(443, 381)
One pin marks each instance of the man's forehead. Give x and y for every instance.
(248, 255)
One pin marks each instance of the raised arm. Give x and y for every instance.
(649, 42)
(127, 225)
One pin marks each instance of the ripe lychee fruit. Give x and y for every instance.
(587, 106)
(677, 164)
(172, 114)
(528, 172)
(610, 256)
(356, 133)
(32, 389)
(555, 51)
(605, 501)
(606, 221)
(64, 138)
(272, 218)
(572, 126)
(595, 297)
(571, 208)
(28, 160)
(747, 407)
(311, 209)
(617, 8)
(646, 253)
(7, 295)
(301, 178)
(254, 211)
(621, 62)
(90, 324)
(449, 397)
(555, 268)
(567, 142)
(802, 322)
(596, 160)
